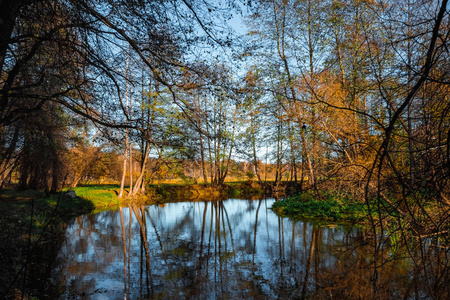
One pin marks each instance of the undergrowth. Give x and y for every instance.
(330, 207)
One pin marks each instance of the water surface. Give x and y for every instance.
(231, 249)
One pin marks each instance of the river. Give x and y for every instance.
(230, 249)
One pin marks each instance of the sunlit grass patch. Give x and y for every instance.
(101, 196)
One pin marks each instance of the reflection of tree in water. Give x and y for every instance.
(351, 273)
(225, 249)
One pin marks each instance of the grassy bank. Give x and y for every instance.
(329, 208)
(101, 197)
(104, 197)
(30, 225)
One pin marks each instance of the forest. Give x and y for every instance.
(341, 99)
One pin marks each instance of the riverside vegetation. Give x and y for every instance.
(329, 208)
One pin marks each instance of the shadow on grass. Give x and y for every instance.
(32, 225)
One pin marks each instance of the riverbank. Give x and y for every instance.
(105, 197)
(30, 224)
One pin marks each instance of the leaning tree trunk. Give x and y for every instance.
(139, 184)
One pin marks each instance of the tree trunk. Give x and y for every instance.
(127, 111)
(205, 175)
(122, 182)
(139, 184)
(9, 11)
(200, 135)
(55, 173)
(252, 133)
(281, 53)
(8, 162)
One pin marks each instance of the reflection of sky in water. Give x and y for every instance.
(213, 250)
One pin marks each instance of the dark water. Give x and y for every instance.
(232, 249)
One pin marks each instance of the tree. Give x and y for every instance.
(67, 53)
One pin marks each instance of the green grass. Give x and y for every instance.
(102, 197)
(330, 207)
